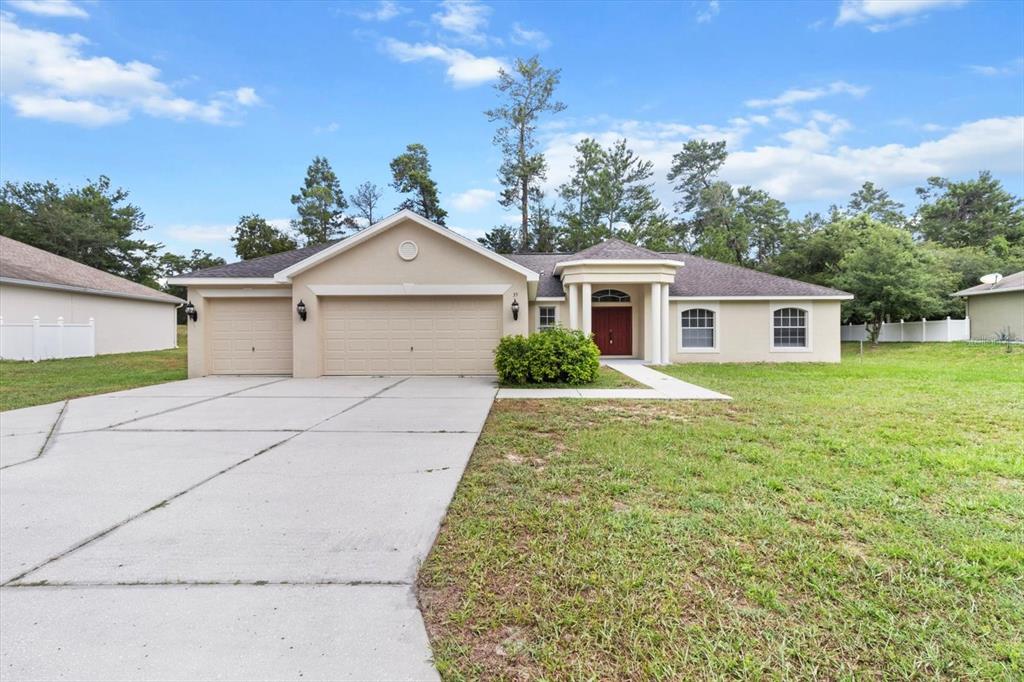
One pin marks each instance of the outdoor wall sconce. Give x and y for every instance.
(191, 312)
(301, 310)
(515, 308)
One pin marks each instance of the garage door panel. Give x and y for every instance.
(250, 336)
(410, 335)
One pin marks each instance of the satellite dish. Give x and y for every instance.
(991, 279)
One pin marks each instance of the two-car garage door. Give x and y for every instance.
(410, 335)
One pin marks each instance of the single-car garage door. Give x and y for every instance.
(411, 334)
(250, 335)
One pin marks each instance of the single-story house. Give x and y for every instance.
(407, 296)
(995, 309)
(127, 316)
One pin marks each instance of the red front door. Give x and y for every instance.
(613, 329)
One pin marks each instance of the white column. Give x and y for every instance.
(654, 306)
(574, 306)
(585, 291)
(665, 324)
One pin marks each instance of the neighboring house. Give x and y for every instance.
(127, 316)
(995, 309)
(407, 296)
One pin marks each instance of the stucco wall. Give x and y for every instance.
(993, 313)
(638, 299)
(123, 325)
(744, 330)
(375, 261)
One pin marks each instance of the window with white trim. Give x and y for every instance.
(547, 317)
(697, 328)
(789, 328)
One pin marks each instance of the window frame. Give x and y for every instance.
(703, 305)
(556, 321)
(616, 292)
(806, 307)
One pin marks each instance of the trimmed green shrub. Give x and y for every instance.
(510, 360)
(554, 355)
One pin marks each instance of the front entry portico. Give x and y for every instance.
(647, 276)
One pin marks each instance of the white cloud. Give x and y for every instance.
(797, 95)
(467, 19)
(385, 10)
(528, 37)
(45, 75)
(884, 15)
(807, 165)
(464, 69)
(709, 12)
(331, 127)
(200, 233)
(473, 200)
(1010, 68)
(50, 8)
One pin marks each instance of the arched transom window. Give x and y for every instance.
(610, 296)
(698, 328)
(789, 328)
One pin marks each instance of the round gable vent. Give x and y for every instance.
(407, 250)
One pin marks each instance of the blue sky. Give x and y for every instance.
(207, 111)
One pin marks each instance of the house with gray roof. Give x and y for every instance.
(996, 310)
(127, 316)
(408, 296)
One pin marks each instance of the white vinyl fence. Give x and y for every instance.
(921, 330)
(37, 340)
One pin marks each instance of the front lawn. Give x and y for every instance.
(606, 378)
(23, 384)
(862, 520)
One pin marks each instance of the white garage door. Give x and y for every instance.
(411, 335)
(250, 335)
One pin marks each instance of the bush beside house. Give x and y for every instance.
(551, 356)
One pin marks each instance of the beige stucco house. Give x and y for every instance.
(407, 296)
(127, 316)
(996, 309)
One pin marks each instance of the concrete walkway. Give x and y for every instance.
(661, 387)
(231, 528)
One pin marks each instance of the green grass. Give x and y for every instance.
(23, 384)
(606, 378)
(851, 521)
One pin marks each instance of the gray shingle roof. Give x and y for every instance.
(617, 249)
(19, 261)
(699, 277)
(1014, 282)
(264, 266)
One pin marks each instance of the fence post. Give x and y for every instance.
(901, 330)
(2, 337)
(967, 326)
(949, 336)
(924, 330)
(60, 336)
(92, 337)
(35, 338)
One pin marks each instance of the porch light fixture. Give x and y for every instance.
(191, 312)
(515, 308)
(301, 310)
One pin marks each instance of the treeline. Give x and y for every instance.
(96, 225)
(898, 263)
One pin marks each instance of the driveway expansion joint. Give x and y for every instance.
(49, 437)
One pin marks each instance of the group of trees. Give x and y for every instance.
(898, 263)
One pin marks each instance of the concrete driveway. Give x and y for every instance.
(242, 528)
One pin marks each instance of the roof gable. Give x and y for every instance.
(287, 273)
(617, 249)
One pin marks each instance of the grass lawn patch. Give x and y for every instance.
(606, 378)
(859, 520)
(23, 384)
